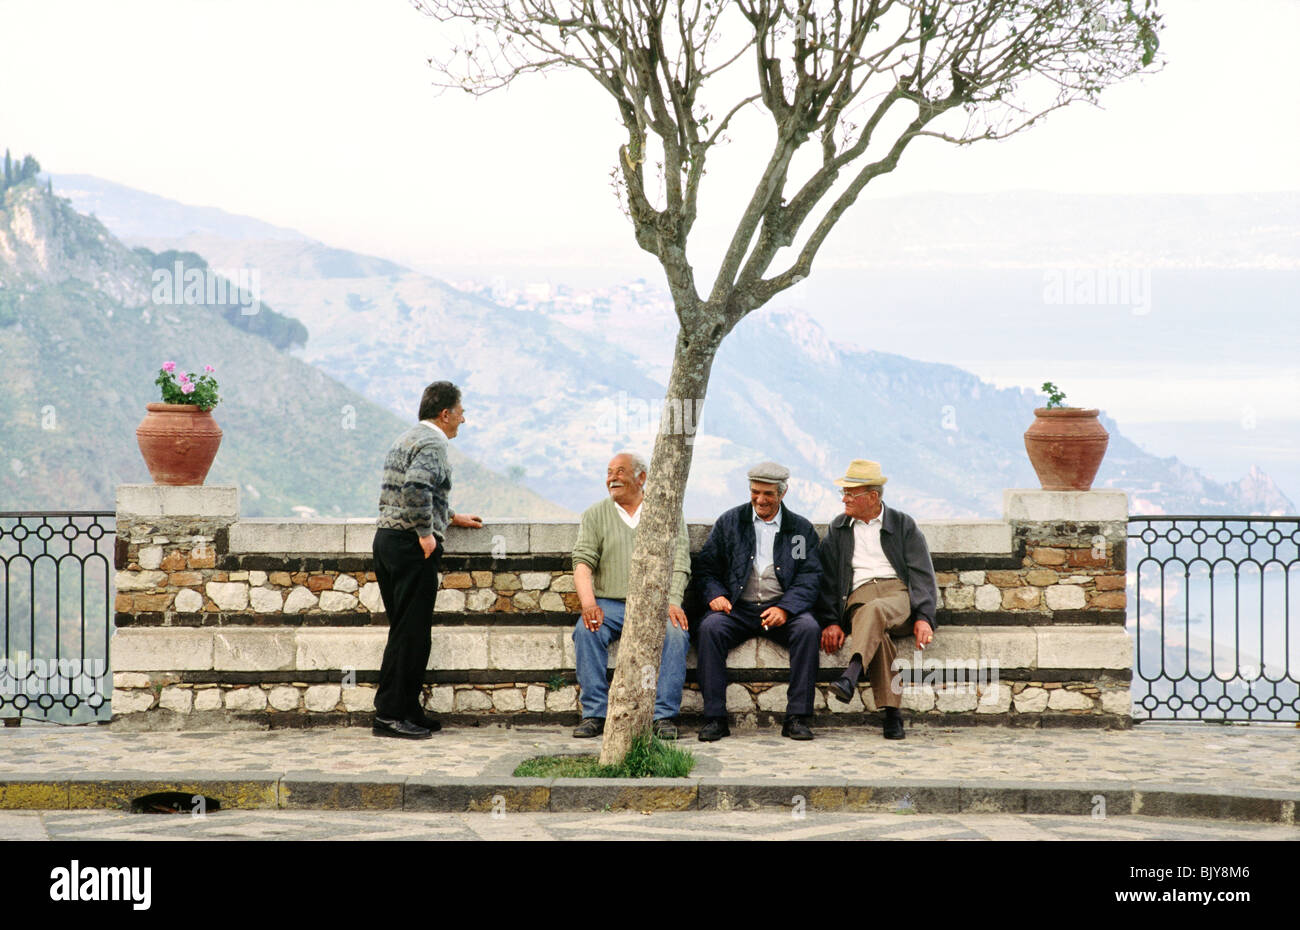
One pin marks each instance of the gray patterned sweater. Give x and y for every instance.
(416, 492)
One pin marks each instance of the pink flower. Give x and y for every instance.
(187, 388)
(208, 368)
(169, 367)
(183, 378)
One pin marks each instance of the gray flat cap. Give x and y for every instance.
(769, 472)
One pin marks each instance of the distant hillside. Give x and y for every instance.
(80, 345)
(556, 394)
(552, 392)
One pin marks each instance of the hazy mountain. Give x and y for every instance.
(81, 341)
(555, 386)
(132, 213)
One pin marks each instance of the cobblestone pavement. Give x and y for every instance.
(1193, 754)
(701, 825)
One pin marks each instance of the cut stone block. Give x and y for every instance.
(967, 536)
(156, 500)
(290, 536)
(241, 649)
(524, 648)
(1097, 506)
(161, 649)
(1107, 647)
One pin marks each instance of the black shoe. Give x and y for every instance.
(665, 729)
(590, 726)
(714, 730)
(893, 724)
(432, 724)
(843, 689)
(401, 729)
(796, 727)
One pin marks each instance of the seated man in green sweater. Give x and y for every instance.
(601, 560)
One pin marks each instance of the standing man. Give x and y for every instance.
(602, 558)
(759, 574)
(414, 513)
(877, 579)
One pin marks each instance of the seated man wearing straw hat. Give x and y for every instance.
(877, 579)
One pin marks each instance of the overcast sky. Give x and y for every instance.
(320, 115)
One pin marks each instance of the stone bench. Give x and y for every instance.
(222, 621)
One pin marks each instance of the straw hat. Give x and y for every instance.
(860, 472)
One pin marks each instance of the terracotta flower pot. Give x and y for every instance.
(1066, 446)
(178, 442)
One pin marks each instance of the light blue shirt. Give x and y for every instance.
(765, 536)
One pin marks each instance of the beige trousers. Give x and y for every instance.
(875, 610)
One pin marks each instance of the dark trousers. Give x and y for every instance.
(720, 633)
(408, 584)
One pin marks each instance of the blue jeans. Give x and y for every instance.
(592, 653)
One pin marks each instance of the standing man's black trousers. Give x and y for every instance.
(408, 584)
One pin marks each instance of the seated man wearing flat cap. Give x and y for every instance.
(759, 574)
(877, 579)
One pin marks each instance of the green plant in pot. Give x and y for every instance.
(179, 437)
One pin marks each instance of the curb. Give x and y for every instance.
(307, 790)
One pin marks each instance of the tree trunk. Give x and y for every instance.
(632, 692)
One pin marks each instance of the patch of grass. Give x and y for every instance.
(648, 757)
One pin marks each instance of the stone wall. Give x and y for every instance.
(222, 621)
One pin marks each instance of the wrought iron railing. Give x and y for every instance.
(1214, 610)
(56, 585)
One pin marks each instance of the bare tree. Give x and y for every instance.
(847, 87)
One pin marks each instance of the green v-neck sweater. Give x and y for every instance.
(605, 545)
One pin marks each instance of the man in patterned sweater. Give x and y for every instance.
(602, 557)
(414, 512)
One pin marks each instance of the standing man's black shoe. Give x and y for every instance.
(796, 727)
(893, 723)
(590, 727)
(432, 724)
(400, 729)
(714, 730)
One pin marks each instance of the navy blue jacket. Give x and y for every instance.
(723, 566)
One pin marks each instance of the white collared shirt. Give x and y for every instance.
(632, 519)
(868, 555)
(436, 428)
(765, 537)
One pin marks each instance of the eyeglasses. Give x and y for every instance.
(858, 493)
